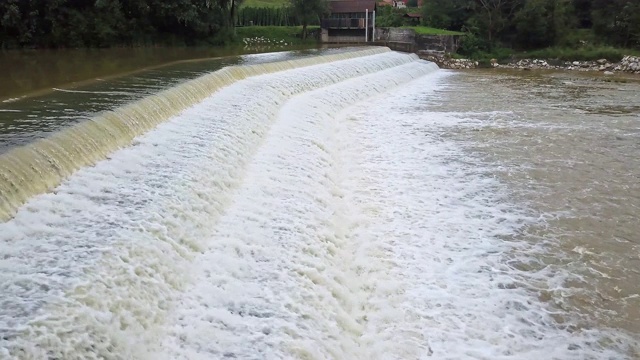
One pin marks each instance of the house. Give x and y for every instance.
(400, 4)
(349, 21)
(413, 18)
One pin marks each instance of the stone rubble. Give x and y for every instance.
(629, 64)
(261, 44)
(445, 62)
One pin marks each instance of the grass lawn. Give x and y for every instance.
(265, 3)
(423, 30)
(290, 34)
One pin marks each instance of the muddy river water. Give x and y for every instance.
(334, 204)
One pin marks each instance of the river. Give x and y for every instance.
(32, 72)
(356, 204)
(45, 90)
(568, 145)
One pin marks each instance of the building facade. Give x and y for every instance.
(349, 21)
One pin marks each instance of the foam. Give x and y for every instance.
(291, 215)
(276, 280)
(370, 235)
(41, 165)
(91, 269)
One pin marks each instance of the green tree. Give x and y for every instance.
(308, 11)
(446, 14)
(387, 16)
(582, 13)
(541, 23)
(493, 16)
(617, 21)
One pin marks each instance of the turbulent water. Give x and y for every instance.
(365, 206)
(47, 161)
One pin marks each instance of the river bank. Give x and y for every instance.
(628, 65)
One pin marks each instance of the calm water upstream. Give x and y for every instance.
(36, 71)
(360, 204)
(67, 86)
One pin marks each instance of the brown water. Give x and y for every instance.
(569, 146)
(36, 71)
(46, 90)
(493, 214)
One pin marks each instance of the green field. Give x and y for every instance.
(423, 30)
(264, 3)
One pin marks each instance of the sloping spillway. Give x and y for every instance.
(38, 167)
(294, 213)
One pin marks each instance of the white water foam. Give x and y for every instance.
(360, 235)
(90, 270)
(276, 280)
(452, 232)
(121, 93)
(12, 99)
(368, 235)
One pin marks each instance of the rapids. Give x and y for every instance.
(310, 209)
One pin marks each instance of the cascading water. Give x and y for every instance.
(312, 213)
(40, 166)
(114, 240)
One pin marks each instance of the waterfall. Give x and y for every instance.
(108, 264)
(40, 166)
(324, 208)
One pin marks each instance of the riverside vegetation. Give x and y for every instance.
(110, 23)
(570, 30)
(504, 30)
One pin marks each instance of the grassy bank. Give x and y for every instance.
(288, 34)
(580, 54)
(423, 30)
(265, 3)
(590, 53)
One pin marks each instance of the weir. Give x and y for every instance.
(40, 166)
(97, 268)
(340, 210)
(312, 235)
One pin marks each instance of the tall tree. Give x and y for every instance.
(446, 14)
(582, 11)
(541, 23)
(308, 11)
(494, 15)
(617, 20)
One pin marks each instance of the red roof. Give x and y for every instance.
(351, 6)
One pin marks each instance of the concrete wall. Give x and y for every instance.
(345, 39)
(344, 35)
(396, 45)
(444, 43)
(395, 34)
(324, 35)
